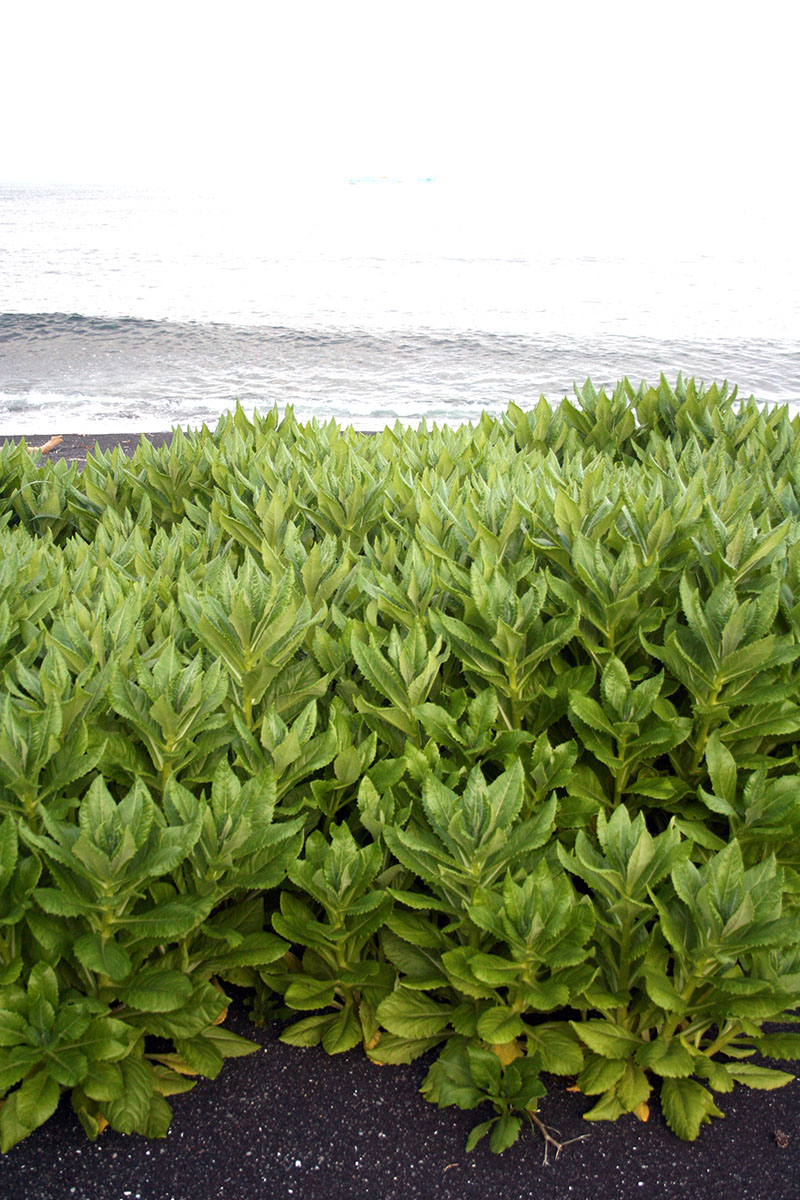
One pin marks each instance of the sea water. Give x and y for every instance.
(125, 309)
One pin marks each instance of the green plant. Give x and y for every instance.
(478, 741)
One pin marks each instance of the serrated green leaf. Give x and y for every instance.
(669, 1059)
(170, 920)
(392, 1051)
(499, 1025)
(615, 685)
(105, 957)
(200, 1054)
(632, 1088)
(343, 1032)
(12, 1129)
(599, 1074)
(477, 1132)
(765, 1078)
(607, 1108)
(716, 1073)
(128, 1111)
(557, 1047)
(721, 768)
(307, 1032)
(158, 990)
(505, 1133)
(687, 1105)
(158, 1119)
(606, 1038)
(306, 992)
(102, 1081)
(590, 713)
(412, 1015)
(779, 1045)
(37, 1099)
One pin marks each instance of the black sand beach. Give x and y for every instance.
(297, 1123)
(286, 1122)
(75, 446)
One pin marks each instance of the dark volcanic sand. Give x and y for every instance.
(286, 1122)
(75, 446)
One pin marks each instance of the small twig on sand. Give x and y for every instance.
(49, 445)
(549, 1140)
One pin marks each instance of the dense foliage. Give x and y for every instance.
(476, 739)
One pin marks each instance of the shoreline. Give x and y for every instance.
(74, 447)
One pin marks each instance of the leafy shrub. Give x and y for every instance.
(481, 739)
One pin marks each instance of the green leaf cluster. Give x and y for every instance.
(479, 741)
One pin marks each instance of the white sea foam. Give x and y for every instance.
(443, 303)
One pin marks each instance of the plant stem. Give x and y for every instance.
(514, 695)
(705, 729)
(723, 1038)
(549, 1140)
(624, 971)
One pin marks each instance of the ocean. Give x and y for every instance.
(125, 310)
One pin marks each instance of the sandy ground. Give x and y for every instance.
(286, 1122)
(75, 446)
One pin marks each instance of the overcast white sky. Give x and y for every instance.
(679, 107)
